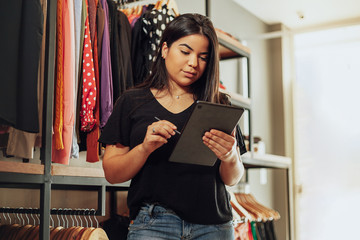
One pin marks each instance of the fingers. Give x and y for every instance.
(219, 142)
(157, 134)
(163, 128)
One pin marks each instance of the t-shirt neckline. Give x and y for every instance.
(164, 108)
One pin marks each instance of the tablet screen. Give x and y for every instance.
(205, 116)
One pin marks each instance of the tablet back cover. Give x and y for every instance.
(205, 116)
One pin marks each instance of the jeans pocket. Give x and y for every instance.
(225, 226)
(142, 220)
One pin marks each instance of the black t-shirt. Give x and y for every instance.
(196, 193)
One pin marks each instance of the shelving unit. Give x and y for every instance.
(230, 48)
(32, 176)
(47, 176)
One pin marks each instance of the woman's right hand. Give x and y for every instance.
(157, 135)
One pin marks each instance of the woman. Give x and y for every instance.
(172, 200)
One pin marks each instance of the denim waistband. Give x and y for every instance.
(152, 208)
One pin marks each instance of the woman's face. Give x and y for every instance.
(186, 59)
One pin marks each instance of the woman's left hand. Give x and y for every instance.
(220, 143)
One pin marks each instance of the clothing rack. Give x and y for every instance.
(27, 227)
(53, 211)
(132, 3)
(45, 177)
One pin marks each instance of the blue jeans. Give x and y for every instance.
(155, 222)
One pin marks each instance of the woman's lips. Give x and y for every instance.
(189, 74)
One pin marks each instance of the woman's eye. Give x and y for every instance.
(184, 52)
(204, 58)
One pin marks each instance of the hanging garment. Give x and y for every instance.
(68, 24)
(106, 86)
(116, 63)
(80, 135)
(116, 227)
(89, 84)
(20, 143)
(4, 136)
(125, 46)
(21, 24)
(253, 230)
(59, 80)
(269, 229)
(78, 53)
(92, 144)
(92, 8)
(120, 44)
(250, 232)
(100, 20)
(261, 230)
(145, 41)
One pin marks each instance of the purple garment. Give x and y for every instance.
(106, 85)
(132, 24)
(145, 8)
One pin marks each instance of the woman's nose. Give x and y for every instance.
(193, 61)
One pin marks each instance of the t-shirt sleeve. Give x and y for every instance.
(117, 128)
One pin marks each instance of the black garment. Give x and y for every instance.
(21, 26)
(261, 229)
(146, 37)
(196, 193)
(120, 43)
(125, 47)
(118, 84)
(116, 227)
(269, 230)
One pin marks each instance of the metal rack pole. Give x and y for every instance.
(45, 190)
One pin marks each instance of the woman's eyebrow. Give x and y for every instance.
(186, 45)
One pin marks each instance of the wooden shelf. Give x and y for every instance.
(238, 99)
(255, 160)
(62, 170)
(230, 47)
(18, 167)
(56, 170)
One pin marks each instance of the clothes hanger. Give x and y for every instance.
(171, 4)
(158, 5)
(240, 208)
(97, 234)
(236, 215)
(241, 198)
(139, 10)
(272, 214)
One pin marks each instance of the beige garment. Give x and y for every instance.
(21, 144)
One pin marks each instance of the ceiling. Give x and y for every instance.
(302, 14)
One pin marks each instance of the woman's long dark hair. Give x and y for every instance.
(206, 88)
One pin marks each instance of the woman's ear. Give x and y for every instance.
(164, 50)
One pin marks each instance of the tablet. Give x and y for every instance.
(205, 116)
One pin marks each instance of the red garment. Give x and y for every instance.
(92, 144)
(4, 129)
(250, 232)
(89, 85)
